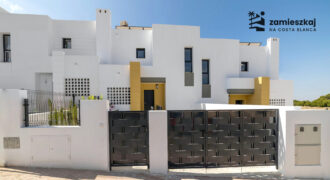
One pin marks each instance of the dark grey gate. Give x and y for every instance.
(225, 138)
(186, 138)
(129, 138)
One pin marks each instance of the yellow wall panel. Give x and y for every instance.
(260, 96)
(158, 93)
(261, 91)
(234, 97)
(135, 83)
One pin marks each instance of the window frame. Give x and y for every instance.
(188, 61)
(140, 49)
(247, 66)
(5, 50)
(64, 41)
(207, 73)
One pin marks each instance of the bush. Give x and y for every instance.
(322, 101)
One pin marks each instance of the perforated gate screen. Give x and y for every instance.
(226, 138)
(129, 138)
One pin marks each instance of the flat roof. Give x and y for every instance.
(250, 43)
(134, 27)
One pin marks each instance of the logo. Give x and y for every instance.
(257, 21)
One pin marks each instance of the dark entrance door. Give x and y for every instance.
(239, 102)
(149, 100)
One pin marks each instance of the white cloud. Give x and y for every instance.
(11, 6)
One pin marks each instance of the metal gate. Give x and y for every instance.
(129, 138)
(224, 138)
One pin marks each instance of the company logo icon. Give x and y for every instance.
(257, 21)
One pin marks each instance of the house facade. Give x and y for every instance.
(137, 68)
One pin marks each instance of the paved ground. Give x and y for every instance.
(22, 173)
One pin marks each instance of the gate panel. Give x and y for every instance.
(223, 147)
(186, 138)
(224, 138)
(129, 138)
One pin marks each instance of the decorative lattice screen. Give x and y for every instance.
(77, 86)
(277, 102)
(119, 95)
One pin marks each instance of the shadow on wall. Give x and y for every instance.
(281, 142)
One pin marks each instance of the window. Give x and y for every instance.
(205, 72)
(6, 48)
(244, 66)
(301, 129)
(66, 43)
(140, 53)
(315, 129)
(188, 59)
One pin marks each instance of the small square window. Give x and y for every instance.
(244, 66)
(140, 53)
(315, 129)
(302, 129)
(66, 43)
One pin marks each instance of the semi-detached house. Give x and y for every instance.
(137, 68)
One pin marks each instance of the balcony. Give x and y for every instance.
(240, 85)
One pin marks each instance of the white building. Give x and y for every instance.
(159, 66)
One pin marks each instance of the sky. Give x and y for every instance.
(304, 56)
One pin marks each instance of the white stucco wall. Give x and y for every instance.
(114, 76)
(29, 49)
(293, 118)
(282, 89)
(80, 147)
(262, 60)
(103, 54)
(126, 41)
(82, 34)
(158, 150)
(240, 83)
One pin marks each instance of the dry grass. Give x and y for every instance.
(308, 107)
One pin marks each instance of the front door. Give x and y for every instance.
(149, 102)
(44, 82)
(239, 102)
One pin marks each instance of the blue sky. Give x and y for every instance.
(304, 56)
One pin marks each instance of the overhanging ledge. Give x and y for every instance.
(240, 91)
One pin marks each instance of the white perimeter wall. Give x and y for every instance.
(306, 117)
(81, 147)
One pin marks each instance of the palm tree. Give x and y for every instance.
(251, 14)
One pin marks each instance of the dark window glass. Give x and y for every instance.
(205, 72)
(315, 129)
(140, 53)
(66, 43)
(6, 39)
(6, 48)
(244, 66)
(239, 102)
(188, 67)
(301, 129)
(188, 59)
